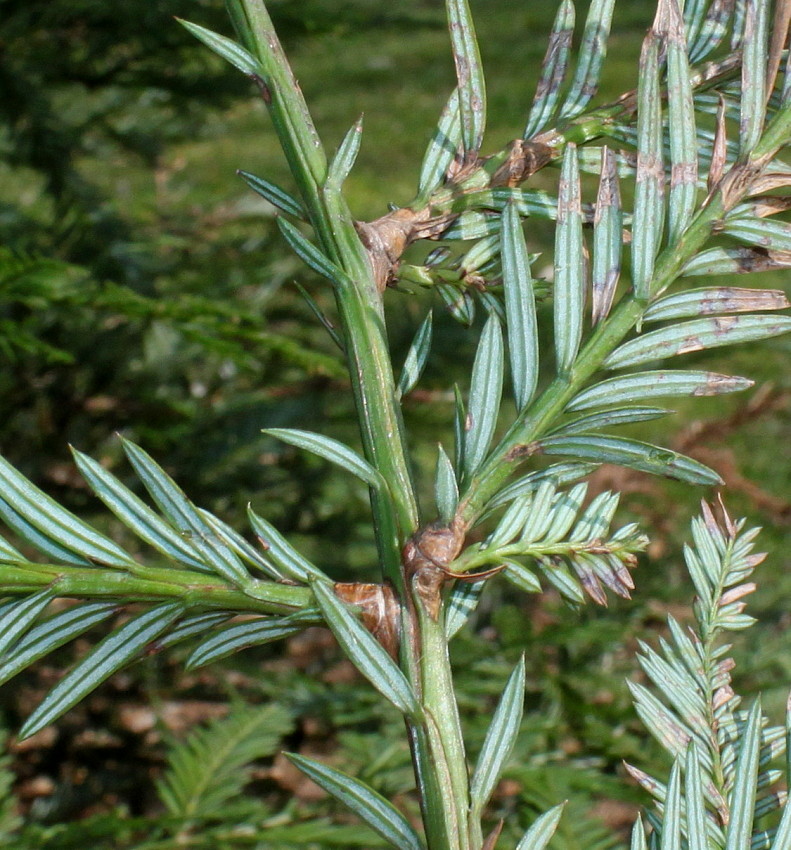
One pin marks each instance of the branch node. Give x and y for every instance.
(426, 557)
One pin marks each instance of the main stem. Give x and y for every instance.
(437, 744)
(450, 796)
(357, 296)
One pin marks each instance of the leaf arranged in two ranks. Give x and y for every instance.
(710, 27)
(553, 513)
(469, 75)
(593, 50)
(112, 654)
(224, 47)
(365, 652)
(521, 577)
(682, 131)
(754, 65)
(40, 520)
(553, 69)
(446, 488)
(483, 253)
(485, 393)
(10, 554)
(137, 515)
(607, 238)
(597, 518)
(558, 576)
(273, 193)
(696, 808)
(631, 453)
(708, 300)
(542, 830)
(473, 224)
(512, 522)
(743, 796)
(442, 149)
(555, 533)
(17, 617)
(280, 551)
(416, 358)
(727, 261)
(767, 235)
(647, 220)
(459, 303)
(186, 517)
(528, 202)
(331, 450)
(240, 546)
(694, 12)
(782, 839)
(238, 636)
(343, 161)
(681, 689)
(694, 336)
(51, 633)
(555, 475)
(724, 753)
(639, 841)
(211, 766)
(671, 820)
(462, 601)
(608, 418)
(656, 384)
(520, 309)
(368, 804)
(192, 625)
(500, 739)
(569, 264)
(661, 722)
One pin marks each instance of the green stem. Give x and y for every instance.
(610, 333)
(430, 790)
(153, 584)
(446, 762)
(360, 309)
(501, 463)
(293, 124)
(775, 136)
(473, 557)
(358, 298)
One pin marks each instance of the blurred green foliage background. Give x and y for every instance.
(145, 290)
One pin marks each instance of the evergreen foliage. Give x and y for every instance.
(675, 199)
